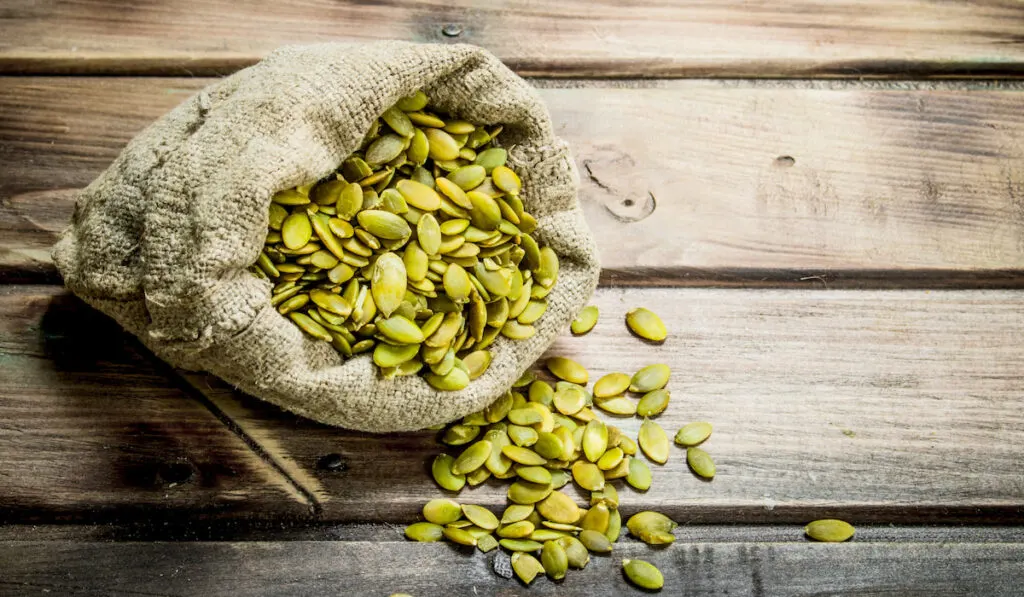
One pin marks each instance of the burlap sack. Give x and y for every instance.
(162, 239)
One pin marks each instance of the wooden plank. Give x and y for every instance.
(873, 406)
(739, 185)
(381, 568)
(90, 429)
(731, 38)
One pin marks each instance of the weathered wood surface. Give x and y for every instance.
(683, 183)
(91, 429)
(425, 570)
(690, 38)
(881, 406)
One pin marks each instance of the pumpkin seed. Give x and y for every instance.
(643, 574)
(443, 475)
(523, 456)
(516, 513)
(617, 405)
(595, 440)
(520, 545)
(472, 458)
(554, 560)
(310, 327)
(480, 516)
(653, 441)
(700, 462)
(650, 378)
(442, 511)
(524, 492)
(424, 532)
(576, 553)
(517, 530)
(458, 435)
(506, 179)
(595, 542)
(296, 230)
(653, 403)
(559, 507)
(610, 459)
(610, 385)
(651, 527)
(588, 476)
(614, 525)
(460, 536)
(639, 475)
(486, 543)
(646, 324)
(526, 566)
(567, 369)
(693, 434)
(829, 530)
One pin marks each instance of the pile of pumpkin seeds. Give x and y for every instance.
(540, 437)
(418, 249)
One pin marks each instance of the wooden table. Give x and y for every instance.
(824, 199)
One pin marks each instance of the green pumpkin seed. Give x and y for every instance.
(597, 518)
(383, 224)
(387, 355)
(289, 197)
(486, 543)
(457, 435)
(522, 436)
(610, 385)
(517, 530)
(534, 474)
(400, 329)
(460, 536)
(595, 542)
(442, 145)
(554, 560)
(310, 327)
(412, 103)
(646, 324)
(559, 507)
(424, 532)
(829, 530)
(525, 566)
(548, 445)
(595, 440)
(506, 179)
(296, 230)
(650, 378)
(700, 462)
(419, 195)
(614, 525)
(576, 553)
(468, 177)
(477, 362)
(653, 403)
(442, 511)
(693, 434)
(520, 545)
(442, 472)
(643, 574)
(588, 476)
(522, 455)
(547, 273)
(567, 369)
(639, 475)
(617, 405)
(610, 459)
(491, 158)
(472, 458)
(480, 516)
(485, 213)
(651, 527)
(524, 492)
(653, 441)
(517, 513)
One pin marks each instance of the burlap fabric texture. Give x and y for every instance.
(162, 239)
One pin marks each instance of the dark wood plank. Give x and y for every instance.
(685, 183)
(90, 429)
(880, 406)
(731, 38)
(381, 568)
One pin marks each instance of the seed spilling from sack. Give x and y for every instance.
(418, 249)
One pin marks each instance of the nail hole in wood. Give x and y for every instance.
(332, 462)
(452, 30)
(628, 203)
(785, 161)
(173, 473)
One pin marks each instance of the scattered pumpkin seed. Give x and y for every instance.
(639, 475)
(653, 441)
(700, 462)
(693, 434)
(829, 530)
(567, 370)
(595, 542)
(424, 532)
(653, 403)
(643, 574)
(646, 324)
(585, 321)
(650, 378)
(525, 565)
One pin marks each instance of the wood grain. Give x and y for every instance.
(692, 38)
(425, 570)
(880, 406)
(682, 183)
(91, 430)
